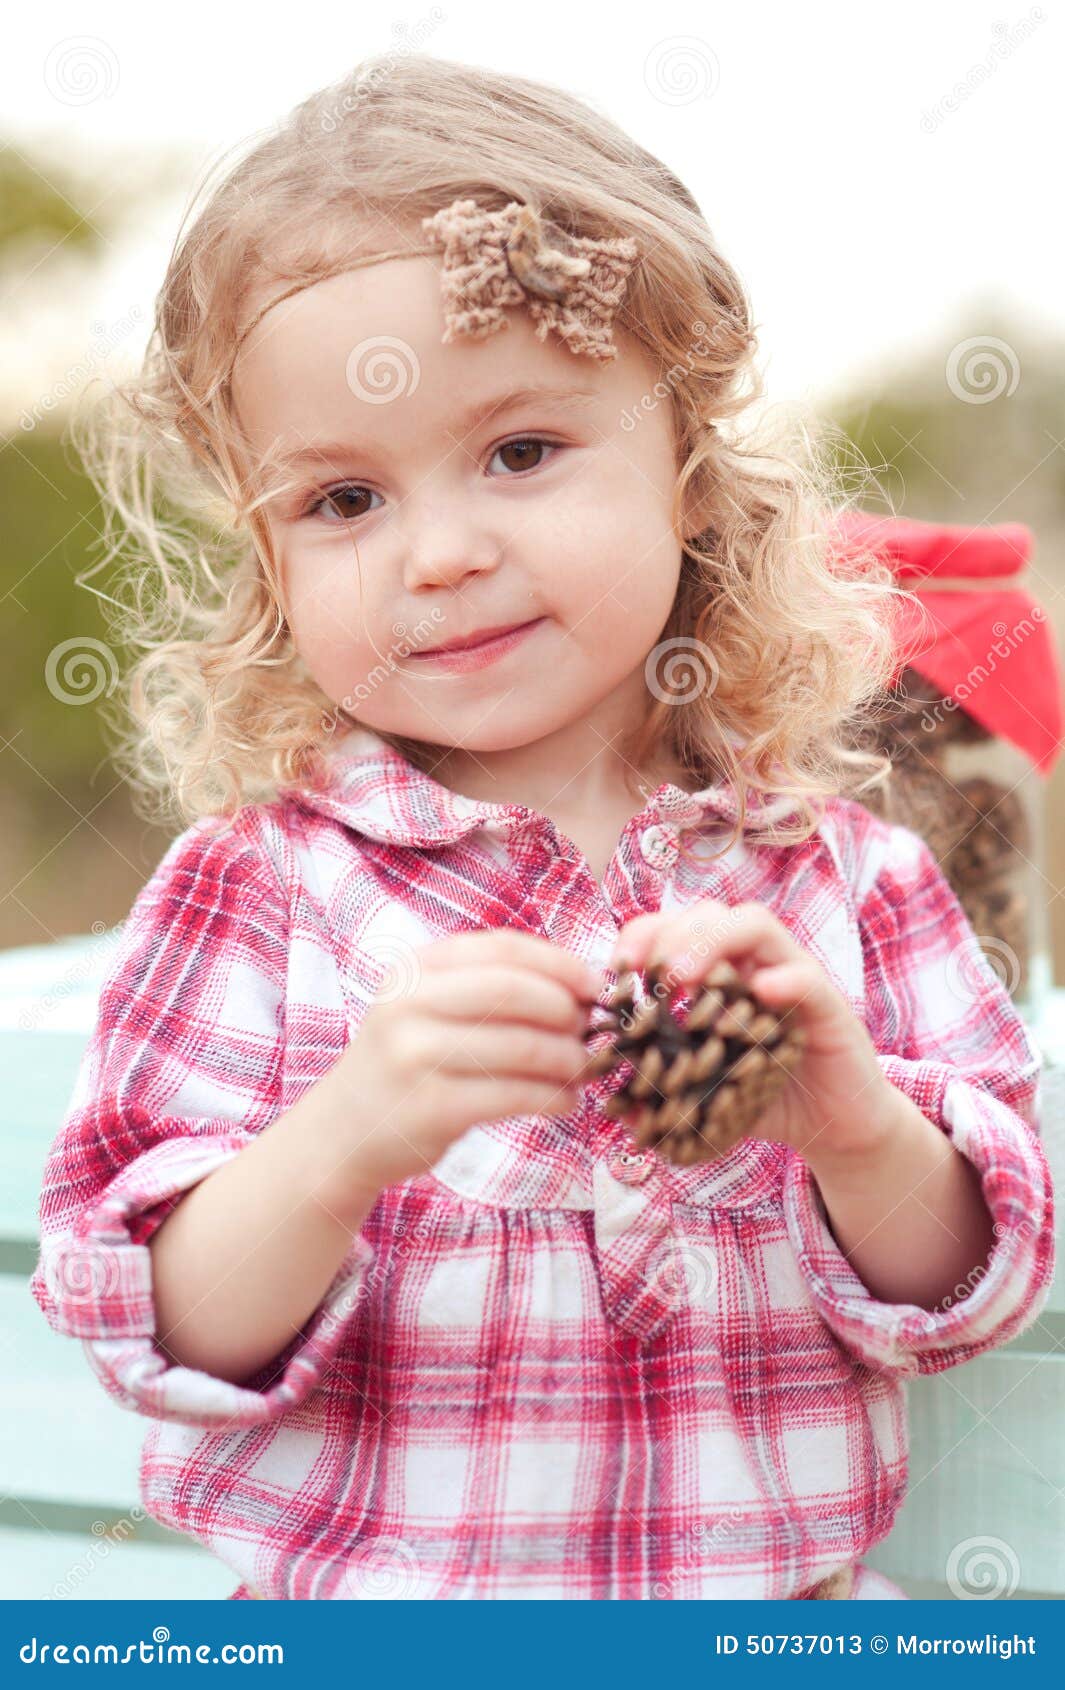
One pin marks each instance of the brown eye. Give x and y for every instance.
(347, 502)
(524, 454)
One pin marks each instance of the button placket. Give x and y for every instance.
(633, 1218)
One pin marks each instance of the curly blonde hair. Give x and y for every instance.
(217, 709)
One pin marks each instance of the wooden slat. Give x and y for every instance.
(61, 1436)
(987, 1459)
(46, 1565)
(1053, 1137)
(38, 1079)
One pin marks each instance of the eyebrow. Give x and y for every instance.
(467, 420)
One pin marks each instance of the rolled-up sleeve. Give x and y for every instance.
(947, 1034)
(181, 1071)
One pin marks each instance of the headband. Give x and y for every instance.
(571, 284)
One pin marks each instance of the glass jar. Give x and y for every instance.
(978, 803)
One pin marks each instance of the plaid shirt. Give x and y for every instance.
(547, 1366)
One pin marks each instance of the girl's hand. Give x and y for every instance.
(492, 1026)
(837, 1100)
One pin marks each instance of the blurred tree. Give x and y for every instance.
(971, 431)
(71, 852)
(36, 208)
(51, 519)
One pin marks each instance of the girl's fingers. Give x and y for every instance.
(804, 987)
(701, 930)
(745, 934)
(687, 943)
(522, 1097)
(497, 992)
(511, 1051)
(782, 985)
(634, 940)
(520, 950)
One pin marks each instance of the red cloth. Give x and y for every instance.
(994, 650)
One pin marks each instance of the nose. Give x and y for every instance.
(445, 547)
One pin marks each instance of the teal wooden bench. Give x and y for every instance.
(987, 1465)
(71, 1523)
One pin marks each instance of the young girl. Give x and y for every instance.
(487, 654)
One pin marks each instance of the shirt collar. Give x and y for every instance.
(376, 790)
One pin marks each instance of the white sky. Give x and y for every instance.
(867, 221)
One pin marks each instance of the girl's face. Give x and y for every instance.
(433, 505)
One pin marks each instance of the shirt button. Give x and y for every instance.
(630, 1169)
(656, 846)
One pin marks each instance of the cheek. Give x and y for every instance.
(619, 585)
(616, 546)
(326, 608)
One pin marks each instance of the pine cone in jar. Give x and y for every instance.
(984, 870)
(998, 915)
(694, 1088)
(918, 795)
(996, 830)
(917, 715)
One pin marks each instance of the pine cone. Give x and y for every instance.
(985, 871)
(920, 796)
(695, 1088)
(916, 715)
(995, 831)
(977, 829)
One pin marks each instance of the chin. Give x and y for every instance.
(504, 735)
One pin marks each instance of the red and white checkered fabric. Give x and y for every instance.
(546, 1367)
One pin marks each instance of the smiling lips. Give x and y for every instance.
(479, 650)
